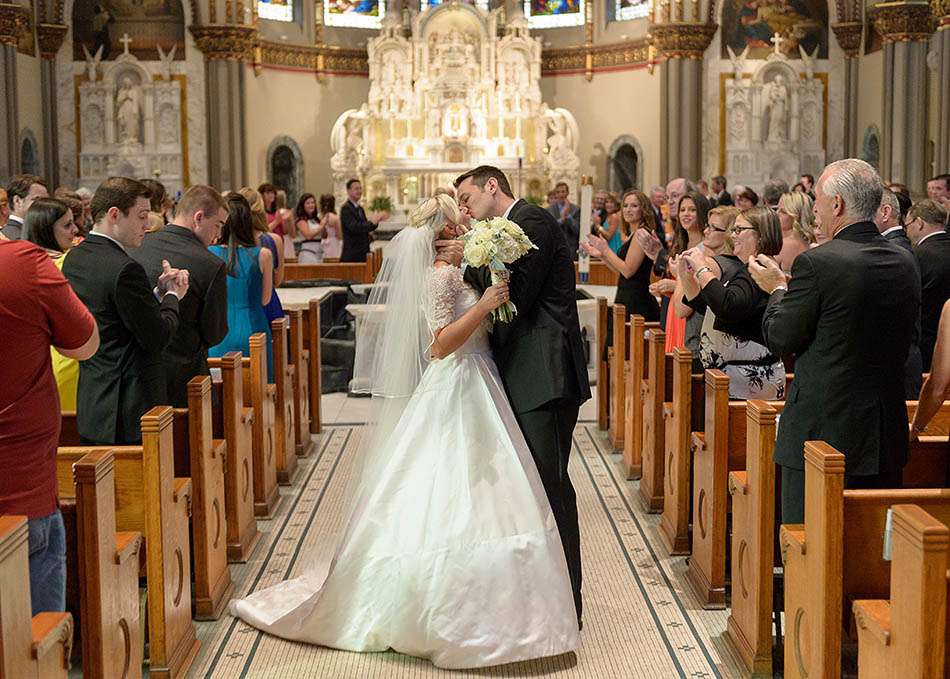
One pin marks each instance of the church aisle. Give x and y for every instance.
(640, 620)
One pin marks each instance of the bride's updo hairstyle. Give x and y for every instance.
(433, 213)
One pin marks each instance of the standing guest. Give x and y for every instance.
(683, 327)
(720, 194)
(74, 203)
(611, 230)
(38, 311)
(798, 228)
(773, 191)
(938, 190)
(598, 204)
(274, 309)
(848, 314)
(250, 283)
(567, 214)
(285, 226)
(745, 198)
(733, 305)
(631, 264)
(203, 313)
(269, 198)
(22, 190)
(356, 227)
(4, 209)
(310, 230)
(125, 378)
(926, 230)
(886, 219)
(703, 187)
(86, 196)
(159, 204)
(658, 201)
(332, 232)
(936, 388)
(808, 183)
(675, 190)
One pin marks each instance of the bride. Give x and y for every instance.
(451, 551)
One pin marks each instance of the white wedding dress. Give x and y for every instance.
(452, 552)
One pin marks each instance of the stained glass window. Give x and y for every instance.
(554, 13)
(632, 9)
(354, 13)
(426, 4)
(276, 10)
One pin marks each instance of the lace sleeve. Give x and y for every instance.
(442, 288)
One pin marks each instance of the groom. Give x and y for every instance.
(540, 354)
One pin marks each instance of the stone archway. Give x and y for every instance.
(625, 164)
(29, 153)
(285, 167)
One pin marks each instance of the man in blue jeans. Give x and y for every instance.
(38, 309)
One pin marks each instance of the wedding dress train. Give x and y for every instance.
(452, 552)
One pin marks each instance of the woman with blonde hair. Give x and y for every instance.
(272, 242)
(798, 227)
(448, 501)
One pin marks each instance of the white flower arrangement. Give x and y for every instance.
(494, 243)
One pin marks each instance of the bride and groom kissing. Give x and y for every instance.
(462, 542)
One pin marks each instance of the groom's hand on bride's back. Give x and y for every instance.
(449, 251)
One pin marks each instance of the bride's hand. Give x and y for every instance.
(494, 297)
(449, 251)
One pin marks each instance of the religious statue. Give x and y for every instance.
(455, 123)
(738, 62)
(778, 110)
(127, 112)
(92, 63)
(166, 60)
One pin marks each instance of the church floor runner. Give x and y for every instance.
(640, 618)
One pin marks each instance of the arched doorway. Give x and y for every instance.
(285, 167)
(29, 154)
(871, 147)
(624, 165)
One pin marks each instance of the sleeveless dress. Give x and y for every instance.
(753, 371)
(245, 313)
(451, 552)
(273, 309)
(634, 292)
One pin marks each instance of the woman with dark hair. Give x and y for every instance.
(269, 198)
(250, 270)
(272, 242)
(745, 198)
(332, 231)
(49, 223)
(308, 226)
(683, 325)
(731, 338)
(159, 204)
(633, 267)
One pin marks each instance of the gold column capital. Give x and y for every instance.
(941, 12)
(50, 37)
(849, 34)
(232, 42)
(682, 39)
(902, 21)
(13, 21)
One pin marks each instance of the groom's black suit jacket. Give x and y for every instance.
(540, 354)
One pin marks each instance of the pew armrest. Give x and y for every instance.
(247, 416)
(271, 391)
(219, 448)
(791, 538)
(738, 483)
(183, 491)
(874, 616)
(51, 630)
(667, 410)
(697, 442)
(127, 545)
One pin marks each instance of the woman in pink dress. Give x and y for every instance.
(332, 233)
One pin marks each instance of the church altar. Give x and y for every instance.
(451, 96)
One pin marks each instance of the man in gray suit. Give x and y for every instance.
(22, 190)
(568, 216)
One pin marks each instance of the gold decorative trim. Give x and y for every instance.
(682, 40)
(941, 10)
(316, 58)
(14, 20)
(902, 21)
(50, 37)
(602, 57)
(849, 35)
(234, 42)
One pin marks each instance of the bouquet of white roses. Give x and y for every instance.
(494, 243)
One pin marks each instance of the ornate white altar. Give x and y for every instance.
(130, 121)
(451, 96)
(775, 120)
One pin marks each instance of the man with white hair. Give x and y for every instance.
(848, 314)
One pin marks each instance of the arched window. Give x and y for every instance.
(624, 165)
(29, 154)
(285, 167)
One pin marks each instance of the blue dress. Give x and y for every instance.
(245, 313)
(274, 309)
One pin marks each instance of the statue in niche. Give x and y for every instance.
(167, 60)
(128, 111)
(558, 142)
(778, 110)
(455, 123)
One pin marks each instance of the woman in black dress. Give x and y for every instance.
(633, 267)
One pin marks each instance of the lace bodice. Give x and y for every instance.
(449, 297)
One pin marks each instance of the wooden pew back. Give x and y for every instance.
(261, 396)
(300, 358)
(357, 272)
(655, 391)
(285, 451)
(603, 374)
(618, 373)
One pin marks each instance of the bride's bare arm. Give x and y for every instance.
(449, 338)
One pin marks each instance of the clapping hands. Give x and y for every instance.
(595, 245)
(766, 273)
(172, 280)
(648, 242)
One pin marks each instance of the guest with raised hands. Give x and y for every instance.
(692, 220)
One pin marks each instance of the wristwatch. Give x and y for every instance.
(701, 270)
(779, 287)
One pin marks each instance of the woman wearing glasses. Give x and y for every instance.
(731, 338)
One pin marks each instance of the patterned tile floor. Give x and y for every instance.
(640, 617)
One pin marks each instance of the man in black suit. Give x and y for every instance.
(356, 226)
(567, 215)
(136, 321)
(203, 313)
(721, 195)
(848, 314)
(22, 190)
(540, 354)
(887, 219)
(925, 226)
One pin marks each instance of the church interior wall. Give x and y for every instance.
(30, 102)
(870, 92)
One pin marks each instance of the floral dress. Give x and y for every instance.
(753, 371)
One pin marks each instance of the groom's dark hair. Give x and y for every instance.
(481, 174)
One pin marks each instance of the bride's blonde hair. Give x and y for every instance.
(433, 213)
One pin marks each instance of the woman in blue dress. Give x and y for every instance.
(250, 281)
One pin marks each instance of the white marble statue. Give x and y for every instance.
(167, 61)
(778, 111)
(738, 62)
(128, 112)
(808, 61)
(92, 63)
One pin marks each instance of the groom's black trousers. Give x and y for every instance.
(549, 431)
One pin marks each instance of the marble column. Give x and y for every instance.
(905, 28)
(680, 46)
(848, 34)
(50, 37)
(941, 12)
(226, 48)
(13, 20)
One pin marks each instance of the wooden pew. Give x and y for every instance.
(357, 272)
(633, 396)
(312, 338)
(617, 357)
(905, 635)
(603, 376)
(203, 458)
(841, 527)
(30, 645)
(150, 499)
(300, 357)
(234, 422)
(285, 450)
(600, 273)
(105, 566)
(261, 397)
(654, 390)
